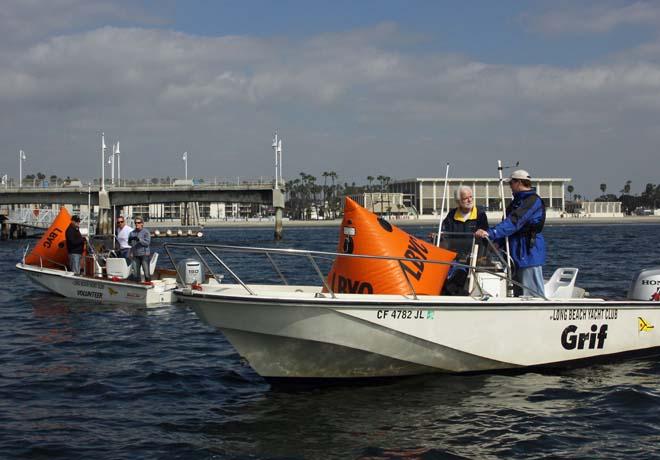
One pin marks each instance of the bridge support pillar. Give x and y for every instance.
(278, 204)
(104, 219)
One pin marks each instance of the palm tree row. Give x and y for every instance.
(305, 197)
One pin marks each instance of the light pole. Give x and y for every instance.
(21, 159)
(279, 151)
(103, 160)
(118, 164)
(277, 148)
(111, 162)
(185, 162)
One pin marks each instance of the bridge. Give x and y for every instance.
(246, 192)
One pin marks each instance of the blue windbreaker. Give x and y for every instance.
(526, 212)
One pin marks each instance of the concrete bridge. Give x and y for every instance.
(259, 193)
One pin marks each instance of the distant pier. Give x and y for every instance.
(116, 196)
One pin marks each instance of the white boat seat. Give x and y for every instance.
(561, 284)
(117, 267)
(152, 264)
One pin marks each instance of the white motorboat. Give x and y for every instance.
(105, 277)
(311, 331)
(107, 284)
(106, 280)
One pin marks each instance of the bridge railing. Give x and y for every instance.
(238, 181)
(40, 217)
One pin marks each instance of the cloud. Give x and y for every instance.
(26, 21)
(596, 18)
(352, 102)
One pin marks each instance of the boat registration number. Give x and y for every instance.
(404, 314)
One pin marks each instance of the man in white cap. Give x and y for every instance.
(523, 226)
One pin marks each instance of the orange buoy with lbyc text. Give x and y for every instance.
(363, 232)
(50, 251)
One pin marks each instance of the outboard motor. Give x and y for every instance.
(192, 271)
(646, 285)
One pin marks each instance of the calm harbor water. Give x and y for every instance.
(80, 380)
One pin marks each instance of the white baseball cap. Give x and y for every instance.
(519, 174)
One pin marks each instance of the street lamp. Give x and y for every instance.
(21, 159)
(111, 162)
(185, 162)
(103, 148)
(277, 148)
(118, 164)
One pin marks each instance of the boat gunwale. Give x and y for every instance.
(71, 275)
(373, 301)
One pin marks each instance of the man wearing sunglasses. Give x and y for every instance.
(523, 225)
(123, 232)
(140, 240)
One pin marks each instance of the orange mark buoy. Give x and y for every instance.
(363, 232)
(50, 251)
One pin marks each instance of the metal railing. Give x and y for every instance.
(40, 217)
(230, 182)
(311, 257)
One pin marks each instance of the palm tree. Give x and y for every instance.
(603, 187)
(325, 175)
(626, 188)
(370, 179)
(333, 192)
(570, 189)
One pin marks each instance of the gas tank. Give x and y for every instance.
(646, 285)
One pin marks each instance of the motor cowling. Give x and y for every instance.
(646, 285)
(192, 271)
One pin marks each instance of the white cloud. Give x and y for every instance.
(348, 101)
(24, 21)
(595, 18)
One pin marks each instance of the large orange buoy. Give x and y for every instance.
(51, 251)
(363, 232)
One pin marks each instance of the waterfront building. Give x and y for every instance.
(383, 203)
(424, 194)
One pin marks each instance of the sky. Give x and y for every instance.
(374, 87)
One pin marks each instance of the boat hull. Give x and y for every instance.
(302, 335)
(100, 289)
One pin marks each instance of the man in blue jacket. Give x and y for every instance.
(140, 240)
(523, 226)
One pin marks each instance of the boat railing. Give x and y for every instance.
(312, 257)
(93, 256)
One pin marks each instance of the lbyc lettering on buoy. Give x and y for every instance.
(348, 286)
(414, 251)
(51, 237)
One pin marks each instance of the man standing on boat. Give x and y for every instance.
(123, 232)
(140, 240)
(523, 226)
(75, 243)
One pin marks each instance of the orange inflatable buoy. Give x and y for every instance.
(363, 232)
(51, 251)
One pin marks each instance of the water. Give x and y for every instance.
(79, 380)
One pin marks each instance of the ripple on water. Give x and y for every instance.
(80, 380)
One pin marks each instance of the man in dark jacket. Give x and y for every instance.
(457, 234)
(523, 226)
(75, 244)
(465, 219)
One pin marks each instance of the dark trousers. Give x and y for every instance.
(141, 262)
(125, 253)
